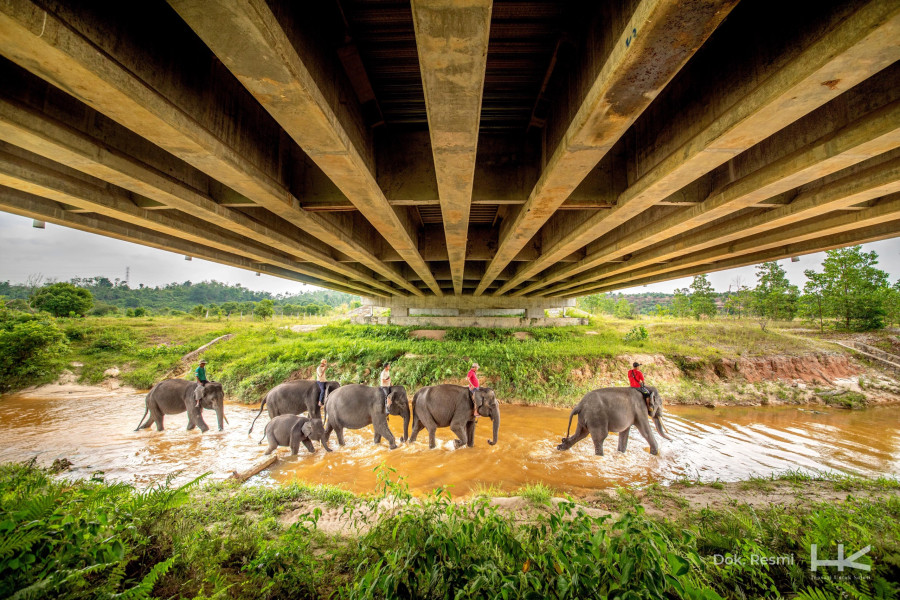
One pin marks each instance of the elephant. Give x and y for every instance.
(174, 396)
(355, 406)
(451, 406)
(294, 398)
(616, 409)
(291, 430)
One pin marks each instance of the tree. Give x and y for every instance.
(891, 304)
(853, 288)
(31, 347)
(774, 296)
(63, 299)
(681, 303)
(702, 298)
(812, 302)
(264, 309)
(623, 309)
(198, 310)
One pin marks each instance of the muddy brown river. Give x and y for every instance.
(96, 434)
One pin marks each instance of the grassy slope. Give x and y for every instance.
(545, 369)
(89, 539)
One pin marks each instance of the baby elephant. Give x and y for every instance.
(615, 409)
(291, 430)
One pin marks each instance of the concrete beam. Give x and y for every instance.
(47, 137)
(847, 54)
(870, 136)
(452, 43)
(33, 207)
(868, 184)
(44, 44)
(822, 229)
(850, 238)
(657, 41)
(268, 64)
(82, 191)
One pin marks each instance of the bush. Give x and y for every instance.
(637, 334)
(31, 349)
(63, 299)
(102, 309)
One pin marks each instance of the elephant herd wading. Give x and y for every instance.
(357, 406)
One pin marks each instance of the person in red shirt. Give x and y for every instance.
(636, 380)
(472, 377)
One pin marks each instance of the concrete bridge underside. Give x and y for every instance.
(469, 154)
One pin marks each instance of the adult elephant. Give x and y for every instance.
(451, 406)
(355, 406)
(294, 398)
(615, 409)
(174, 396)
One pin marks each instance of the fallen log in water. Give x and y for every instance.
(245, 475)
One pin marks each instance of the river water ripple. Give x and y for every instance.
(728, 443)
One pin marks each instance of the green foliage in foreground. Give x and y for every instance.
(31, 349)
(95, 540)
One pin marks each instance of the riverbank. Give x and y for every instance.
(92, 539)
(713, 363)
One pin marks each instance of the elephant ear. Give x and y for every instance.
(307, 428)
(198, 392)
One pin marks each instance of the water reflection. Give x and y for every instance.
(726, 443)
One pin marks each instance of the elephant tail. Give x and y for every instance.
(261, 407)
(141, 422)
(574, 412)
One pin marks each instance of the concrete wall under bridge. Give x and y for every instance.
(431, 321)
(451, 311)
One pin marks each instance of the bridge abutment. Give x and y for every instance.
(468, 311)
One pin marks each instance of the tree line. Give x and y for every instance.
(207, 298)
(849, 292)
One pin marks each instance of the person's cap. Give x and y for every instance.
(475, 365)
(324, 361)
(636, 365)
(203, 362)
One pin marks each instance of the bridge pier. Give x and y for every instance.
(469, 311)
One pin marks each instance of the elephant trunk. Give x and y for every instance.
(220, 414)
(657, 420)
(495, 419)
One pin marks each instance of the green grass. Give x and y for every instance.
(90, 539)
(555, 366)
(536, 493)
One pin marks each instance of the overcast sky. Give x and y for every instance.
(59, 253)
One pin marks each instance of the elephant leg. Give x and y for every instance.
(158, 417)
(381, 430)
(581, 432)
(460, 430)
(432, 440)
(417, 427)
(623, 439)
(644, 427)
(470, 432)
(328, 430)
(599, 436)
(272, 445)
(340, 434)
(191, 423)
(308, 445)
(377, 438)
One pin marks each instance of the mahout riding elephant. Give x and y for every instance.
(294, 398)
(355, 406)
(615, 409)
(292, 430)
(452, 406)
(174, 396)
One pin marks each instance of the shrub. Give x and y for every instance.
(63, 299)
(31, 348)
(637, 334)
(102, 309)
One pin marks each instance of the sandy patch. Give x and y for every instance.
(430, 334)
(523, 335)
(305, 328)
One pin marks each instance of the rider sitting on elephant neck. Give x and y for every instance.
(200, 375)
(386, 386)
(321, 380)
(636, 379)
(473, 385)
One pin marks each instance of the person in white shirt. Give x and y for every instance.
(386, 385)
(321, 380)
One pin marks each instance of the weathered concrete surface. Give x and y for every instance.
(472, 321)
(452, 41)
(270, 67)
(848, 54)
(654, 44)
